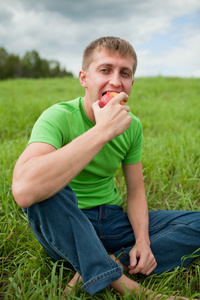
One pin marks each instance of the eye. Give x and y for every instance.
(104, 70)
(125, 74)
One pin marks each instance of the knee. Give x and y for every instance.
(55, 205)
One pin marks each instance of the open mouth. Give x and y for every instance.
(109, 92)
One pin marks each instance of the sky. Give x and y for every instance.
(164, 33)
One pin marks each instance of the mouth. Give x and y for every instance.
(109, 92)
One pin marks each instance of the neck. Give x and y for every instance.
(88, 109)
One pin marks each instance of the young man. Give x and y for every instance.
(65, 181)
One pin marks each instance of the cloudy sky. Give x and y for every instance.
(164, 33)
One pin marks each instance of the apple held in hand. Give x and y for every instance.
(107, 97)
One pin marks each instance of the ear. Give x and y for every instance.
(82, 78)
(133, 81)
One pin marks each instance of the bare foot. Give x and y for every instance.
(133, 286)
(119, 285)
(74, 281)
(160, 296)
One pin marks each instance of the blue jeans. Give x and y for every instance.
(84, 237)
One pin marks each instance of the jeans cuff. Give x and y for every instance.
(101, 281)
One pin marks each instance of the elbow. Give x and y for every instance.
(21, 196)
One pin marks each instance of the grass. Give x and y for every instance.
(169, 111)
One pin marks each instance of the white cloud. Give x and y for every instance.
(61, 30)
(182, 60)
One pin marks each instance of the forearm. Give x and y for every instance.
(42, 176)
(137, 211)
(142, 259)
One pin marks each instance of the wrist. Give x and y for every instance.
(103, 133)
(143, 240)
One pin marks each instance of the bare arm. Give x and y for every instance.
(137, 211)
(42, 171)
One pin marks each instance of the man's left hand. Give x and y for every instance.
(142, 259)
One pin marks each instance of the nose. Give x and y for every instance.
(115, 79)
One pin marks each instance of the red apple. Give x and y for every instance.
(107, 97)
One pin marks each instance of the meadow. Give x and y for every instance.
(169, 111)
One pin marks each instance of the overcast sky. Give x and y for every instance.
(164, 33)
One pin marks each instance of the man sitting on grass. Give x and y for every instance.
(64, 180)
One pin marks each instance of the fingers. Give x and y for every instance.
(112, 110)
(95, 105)
(144, 267)
(113, 118)
(142, 261)
(121, 98)
(133, 258)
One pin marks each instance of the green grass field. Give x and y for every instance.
(169, 111)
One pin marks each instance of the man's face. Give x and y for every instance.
(108, 72)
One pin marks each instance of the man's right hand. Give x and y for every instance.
(113, 117)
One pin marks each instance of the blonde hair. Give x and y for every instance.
(111, 44)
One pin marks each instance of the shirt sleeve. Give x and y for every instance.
(51, 128)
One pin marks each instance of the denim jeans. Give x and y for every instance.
(84, 237)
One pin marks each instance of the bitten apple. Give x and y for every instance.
(107, 97)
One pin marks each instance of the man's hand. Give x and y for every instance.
(113, 118)
(142, 259)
